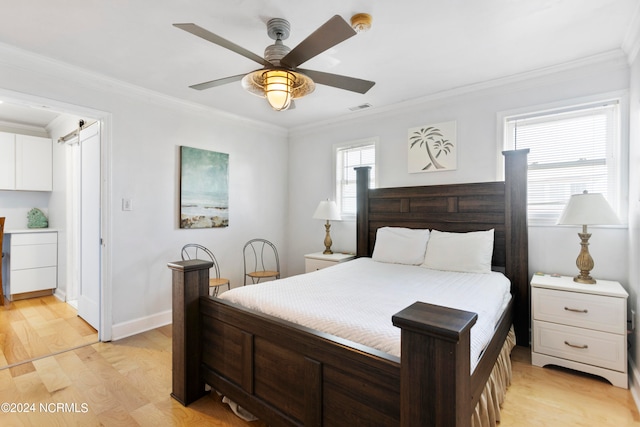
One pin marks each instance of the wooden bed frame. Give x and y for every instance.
(289, 375)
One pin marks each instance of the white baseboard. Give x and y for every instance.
(634, 382)
(60, 294)
(143, 324)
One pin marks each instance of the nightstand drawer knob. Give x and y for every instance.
(576, 346)
(576, 310)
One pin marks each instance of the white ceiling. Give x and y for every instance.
(414, 49)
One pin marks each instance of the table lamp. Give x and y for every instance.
(327, 210)
(587, 209)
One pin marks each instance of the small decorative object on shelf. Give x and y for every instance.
(37, 219)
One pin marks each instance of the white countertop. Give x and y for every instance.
(30, 230)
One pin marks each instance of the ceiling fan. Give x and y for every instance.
(280, 80)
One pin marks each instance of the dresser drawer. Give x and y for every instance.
(34, 279)
(39, 238)
(34, 256)
(581, 345)
(596, 312)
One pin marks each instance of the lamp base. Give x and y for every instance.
(584, 262)
(585, 279)
(327, 240)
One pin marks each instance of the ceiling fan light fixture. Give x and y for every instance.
(280, 86)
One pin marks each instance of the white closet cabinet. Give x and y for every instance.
(33, 261)
(26, 162)
(7, 161)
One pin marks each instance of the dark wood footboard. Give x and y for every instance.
(289, 375)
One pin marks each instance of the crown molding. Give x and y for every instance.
(614, 59)
(24, 60)
(22, 129)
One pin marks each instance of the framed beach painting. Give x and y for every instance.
(433, 148)
(204, 188)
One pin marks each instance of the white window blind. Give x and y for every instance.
(571, 150)
(347, 158)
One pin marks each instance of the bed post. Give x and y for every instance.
(362, 209)
(435, 365)
(190, 281)
(517, 253)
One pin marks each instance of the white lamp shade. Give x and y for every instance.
(588, 209)
(327, 209)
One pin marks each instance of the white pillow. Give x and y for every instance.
(400, 245)
(466, 252)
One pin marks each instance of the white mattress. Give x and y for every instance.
(355, 300)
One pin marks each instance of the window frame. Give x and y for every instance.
(372, 141)
(619, 151)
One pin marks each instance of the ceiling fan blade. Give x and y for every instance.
(338, 81)
(217, 82)
(332, 32)
(209, 36)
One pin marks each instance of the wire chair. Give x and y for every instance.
(260, 261)
(196, 251)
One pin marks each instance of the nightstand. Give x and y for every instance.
(580, 326)
(318, 260)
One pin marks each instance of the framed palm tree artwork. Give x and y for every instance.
(433, 148)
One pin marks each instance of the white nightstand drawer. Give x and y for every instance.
(319, 260)
(316, 264)
(591, 347)
(600, 313)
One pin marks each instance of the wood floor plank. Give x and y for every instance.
(14, 350)
(553, 396)
(36, 327)
(128, 382)
(51, 374)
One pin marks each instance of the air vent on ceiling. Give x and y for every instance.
(360, 107)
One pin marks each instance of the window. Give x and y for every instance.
(349, 156)
(571, 150)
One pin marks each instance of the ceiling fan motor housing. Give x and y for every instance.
(278, 28)
(275, 52)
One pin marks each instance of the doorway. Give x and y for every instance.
(73, 252)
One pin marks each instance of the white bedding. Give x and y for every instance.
(355, 300)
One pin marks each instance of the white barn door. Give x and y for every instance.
(90, 234)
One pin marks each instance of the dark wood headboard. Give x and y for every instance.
(499, 205)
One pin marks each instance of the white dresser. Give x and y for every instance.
(580, 326)
(31, 262)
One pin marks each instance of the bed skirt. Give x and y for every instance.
(487, 411)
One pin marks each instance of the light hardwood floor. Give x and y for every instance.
(127, 383)
(37, 327)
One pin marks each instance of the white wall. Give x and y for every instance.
(552, 249)
(143, 133)
(634, 216)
